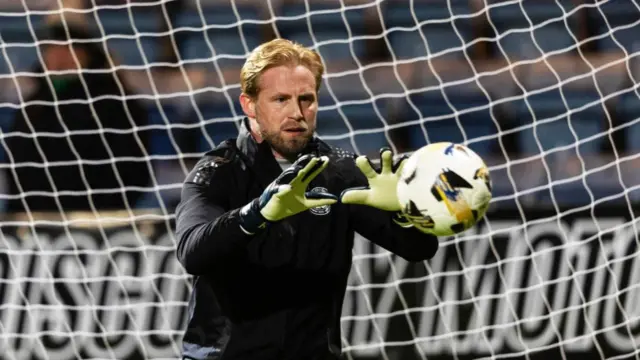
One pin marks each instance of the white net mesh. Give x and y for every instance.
(544, 90)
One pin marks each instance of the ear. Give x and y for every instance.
(248, 105)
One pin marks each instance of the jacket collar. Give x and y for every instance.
(247, 144)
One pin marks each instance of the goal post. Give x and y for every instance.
(545, 91)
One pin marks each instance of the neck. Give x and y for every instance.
(277, 155)
(253, 130)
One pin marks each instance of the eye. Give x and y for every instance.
(307, 99)
(281, 99)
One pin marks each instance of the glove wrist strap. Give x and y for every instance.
(251, 220)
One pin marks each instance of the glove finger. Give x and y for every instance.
(320, 165)
(363, 163)
(400, 165)
(386, 159)
(355, 196)
(303, 173)
(320, 195)
(311, 203)
(303, 160)
(289, 174)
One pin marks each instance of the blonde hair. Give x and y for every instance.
(275, 53)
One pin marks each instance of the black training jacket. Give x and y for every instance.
(276, 294)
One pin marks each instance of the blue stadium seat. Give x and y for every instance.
(448, 130)
(554, 120)
(217, 132)
(621, 24)
(401, 13)
(324, 26)
(572, 194)
(504, 15)
(218, 42)
(633, 137)
(21, 57)
(628, 105)
(557, 133)
(104, 22)
(359, 117)
(218, 31)
(18, 35)
(321, 17)
(217, 15)
(533, 43)
(623, 37)
(161, 143)
(125, 51)
(629, 112)
(427, 40)
(579, 191)
(427, 28)
(220, 123)
(131, 53)
(527, 38)
(6, 118)
(194, 136)
(337, 50)
(131, 20)
(20, 28)
(117, 26)
(441, 124)
(628, 37)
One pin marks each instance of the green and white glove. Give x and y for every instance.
(381, 192)
(287, 195)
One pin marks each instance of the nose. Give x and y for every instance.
(296, 112)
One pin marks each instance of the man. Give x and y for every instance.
(270, 248)
(101, 152)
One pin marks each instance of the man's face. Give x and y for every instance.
(60, 58)
(285, 109)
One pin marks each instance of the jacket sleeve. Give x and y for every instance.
(379, 227)
(207, 231)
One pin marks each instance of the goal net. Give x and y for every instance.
(545, 91)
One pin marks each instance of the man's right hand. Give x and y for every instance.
(287, 195)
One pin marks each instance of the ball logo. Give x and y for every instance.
(320, 210)
(483, 173)
(446, 189)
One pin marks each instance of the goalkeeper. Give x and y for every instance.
(262, 229)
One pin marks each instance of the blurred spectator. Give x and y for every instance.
(66, 11)
(29, 5)
(64, 102)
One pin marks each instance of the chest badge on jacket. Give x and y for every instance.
(320, 210)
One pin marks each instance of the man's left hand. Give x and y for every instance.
(381, 192)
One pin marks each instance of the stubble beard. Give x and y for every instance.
(288, 148)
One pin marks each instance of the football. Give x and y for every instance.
(444, 188)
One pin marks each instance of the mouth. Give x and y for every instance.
(295, 130)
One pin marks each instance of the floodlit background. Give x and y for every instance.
(546, 91)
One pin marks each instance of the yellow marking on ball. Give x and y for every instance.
(458, 207)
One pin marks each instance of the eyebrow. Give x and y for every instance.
(308, 95)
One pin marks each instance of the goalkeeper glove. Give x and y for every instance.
(381, 192)
(287, 195)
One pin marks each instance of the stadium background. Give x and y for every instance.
(545, 90)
